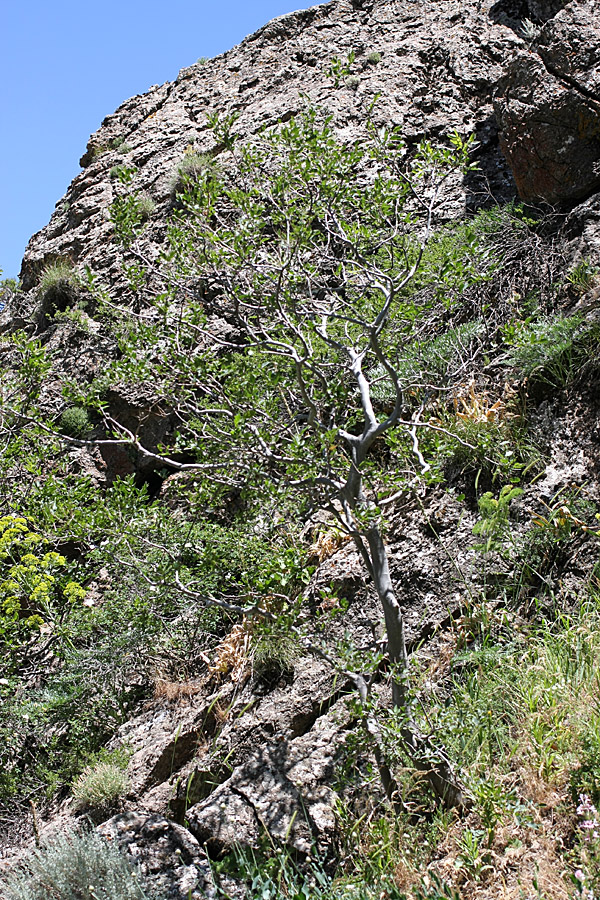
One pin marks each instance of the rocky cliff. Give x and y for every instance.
(218, 760)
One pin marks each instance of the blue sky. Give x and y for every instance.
(67, 64)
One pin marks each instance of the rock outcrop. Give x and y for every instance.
(166, 854)
(228, 761)
(433, 68)
(548, 109)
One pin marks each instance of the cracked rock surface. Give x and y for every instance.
(548, 109)
(231, 759)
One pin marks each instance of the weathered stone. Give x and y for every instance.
(548, 110)
(283, 790)
(542, 10)
(439, 63)
(167, 854)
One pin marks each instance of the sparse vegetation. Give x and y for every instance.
(192, 167)
(358, 385)
(80, 866)
(100, 785)
(116, 143)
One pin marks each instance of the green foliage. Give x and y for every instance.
(585, 778)
(100, 784)
(551, 351)
(59, 285)
(35, 588)
(374, 58)
(582, 276)
(8, 285)
(464, 253)
(128, 214)
(275, 875)
(494, 526)
(341, 69)
(191, 169)
(81, 866)
(75, 422)
(123, 173)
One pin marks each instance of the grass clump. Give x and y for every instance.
(101, 784)
(116, 143)
(75, 422)
(582, 277)
(189, 171)
(274, 654)
(76, 867)
(59, 281)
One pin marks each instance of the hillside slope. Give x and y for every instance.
(223, 729)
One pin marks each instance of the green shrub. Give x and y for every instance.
(59, 284)
(551, 351)
(374, 58)
(123, 173)
(190, 169)
(76, 867)
(74, 422)
(100, 784)
(128, 214)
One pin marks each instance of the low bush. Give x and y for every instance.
(101, 784)
(76, 867)
(74, 421)
(552, 351)
(128, 214)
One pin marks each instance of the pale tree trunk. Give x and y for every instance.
(430, 760)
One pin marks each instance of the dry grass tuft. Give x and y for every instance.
(232, 654)
(175, 691)
(473, 407)
(327, 543)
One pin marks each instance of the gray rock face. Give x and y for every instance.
(283, 788)
(548, 109)
(542, 10)
(433, 65)
(165, 852)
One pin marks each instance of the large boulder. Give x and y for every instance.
(167, 854)
(548, 110)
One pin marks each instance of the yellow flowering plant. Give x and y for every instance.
(35, 589)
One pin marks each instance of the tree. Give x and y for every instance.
(282, 300)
